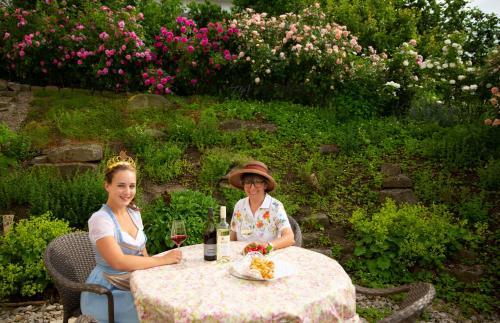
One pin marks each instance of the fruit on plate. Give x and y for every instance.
(256, 247)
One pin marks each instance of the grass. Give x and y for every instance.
(185, 144)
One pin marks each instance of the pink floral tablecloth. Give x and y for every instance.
(201, 291)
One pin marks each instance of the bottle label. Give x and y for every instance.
(223, 247)
(210, 249)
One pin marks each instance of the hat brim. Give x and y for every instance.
(235, 178)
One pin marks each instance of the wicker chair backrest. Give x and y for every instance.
(296, 231)
(70, 256)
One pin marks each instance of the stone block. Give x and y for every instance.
(75, 153)
(144, 101)
(389, 169)
(3, 85)
(7, 93)
(51, 88)
(311, 239)
(14, 86)
(398, 181)
(331, 149)
(400, 195)
(318, 218)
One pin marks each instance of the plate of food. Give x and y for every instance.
(255, 247)
(254, 266)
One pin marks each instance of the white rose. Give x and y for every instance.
(257, 80)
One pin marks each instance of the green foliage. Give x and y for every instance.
(42, 190)
(378, 23)
(462, 145)
(13, 147)
(372, 314)
(73, 114)
(190, 206)
(206, 12)
(21, 255)
(158, 14)
(207, 132)
(489, 176)
(396, 240)
(273, 8)
(162, 162)
(214, 166)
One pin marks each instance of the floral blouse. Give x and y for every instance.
(267, 223)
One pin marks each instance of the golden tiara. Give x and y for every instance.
(121, 159)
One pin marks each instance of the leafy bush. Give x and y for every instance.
(42, 190)
(274, 8)
(190, 206)
(162, 162)
(396, 240)
(14, 147)
(21, 255)
(489, 176)
(214, 165)
(303, 58)
(206, 12)
(207, 131)
(381, 24)
(462, 145)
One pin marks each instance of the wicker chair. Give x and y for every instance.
(69, 259)
(419, 296)
(296, 231)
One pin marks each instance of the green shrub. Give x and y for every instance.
(21, 255)
(43, 190)
(214, 165)
(162, 162)
(489, 176)
(158, 14)
(463, 145)
(204, 13)
(381, 24)
(273, 8)
(207, 133)
(474, 210)
(396, 240)
(190, 206)
(14, 147)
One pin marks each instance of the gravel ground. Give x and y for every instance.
(52, 313)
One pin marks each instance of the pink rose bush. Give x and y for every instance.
(302, 52)
(192, 57)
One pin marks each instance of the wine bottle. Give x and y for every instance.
(210, 238)
(223, 237)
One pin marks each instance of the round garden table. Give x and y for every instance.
(195, 290)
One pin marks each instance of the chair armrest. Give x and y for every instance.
(84, 287)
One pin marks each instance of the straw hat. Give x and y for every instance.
(253, 167)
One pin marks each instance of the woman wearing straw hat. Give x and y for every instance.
(263, 214)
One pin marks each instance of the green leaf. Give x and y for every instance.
(383, 263)
(359, 251)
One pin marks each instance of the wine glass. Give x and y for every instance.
(246, 230)
(178, 232)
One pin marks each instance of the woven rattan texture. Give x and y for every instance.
(418, 297)
(296, 231)
(69, 260)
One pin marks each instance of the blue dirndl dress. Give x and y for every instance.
(97, 305)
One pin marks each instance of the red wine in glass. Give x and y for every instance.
(178, 232)
(178, 239)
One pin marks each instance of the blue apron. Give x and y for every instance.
(97, 305)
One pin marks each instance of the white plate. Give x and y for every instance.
(282, 269)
